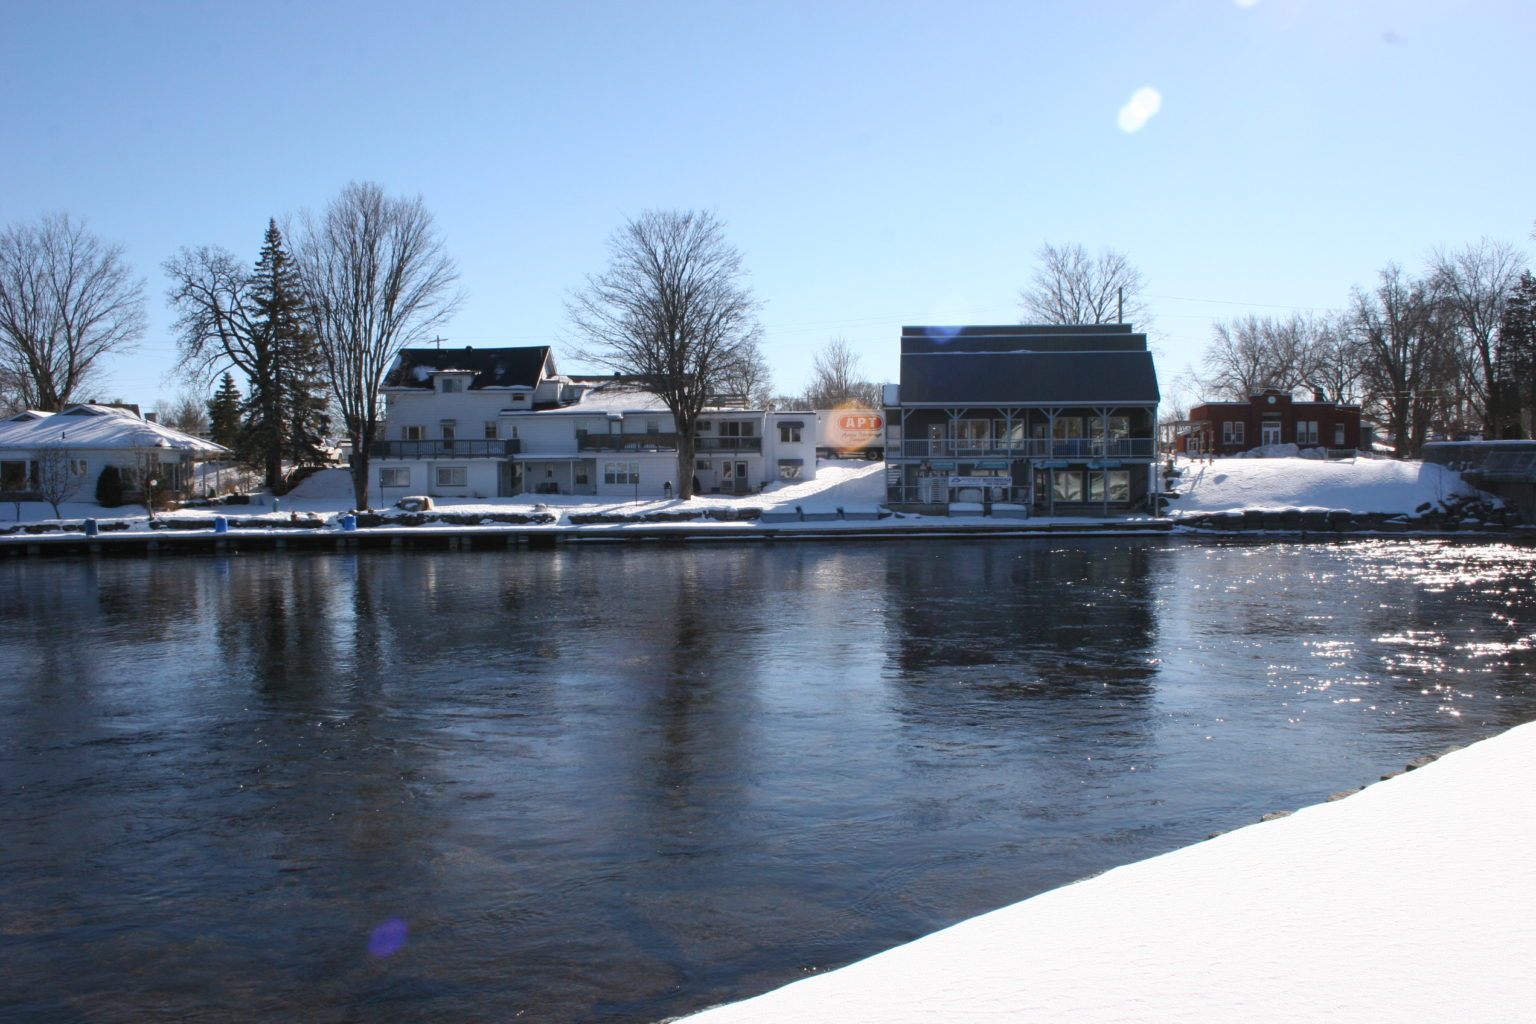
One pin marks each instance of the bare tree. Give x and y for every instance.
(1337, 365)
(1408, 363)
(749, 379)
(187, 412)
(835, 379)
(1238, 362)
(59, 476)
(671, 310)
(377, 280)
(1473, 283)
(1071, 287)
(1249, 354)
(67, 300)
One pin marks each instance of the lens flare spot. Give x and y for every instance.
(1143, 105)
(388, 938)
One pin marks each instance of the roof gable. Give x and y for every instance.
(491, 367)
(1022, 364)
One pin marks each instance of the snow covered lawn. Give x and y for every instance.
(1353, 485)
(1411, 901)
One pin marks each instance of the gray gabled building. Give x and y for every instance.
(1059, 420)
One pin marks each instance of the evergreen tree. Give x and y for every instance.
(285, 413)
(224, 413)
(255, 321)
(109, 487)
(1516, 362)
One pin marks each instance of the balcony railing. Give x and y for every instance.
(728, 444)
(455, 449)
(1030, 448)
(664, 442)
(626, 442)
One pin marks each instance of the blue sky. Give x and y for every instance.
(878, 163)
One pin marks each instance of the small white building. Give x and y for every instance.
(92, 437)
(480, 423)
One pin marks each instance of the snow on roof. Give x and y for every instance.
(605, 400)
(98, 427)
(1354, 485)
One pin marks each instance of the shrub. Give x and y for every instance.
(109, 487)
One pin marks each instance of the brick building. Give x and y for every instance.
(1268, 418)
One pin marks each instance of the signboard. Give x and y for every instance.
(980, 481)
(851, 429)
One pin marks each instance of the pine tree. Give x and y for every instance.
(224, 413)
(1515, 362)
(285, 411)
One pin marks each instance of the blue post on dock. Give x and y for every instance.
(220, 524)
(91, 529)
(349, 523)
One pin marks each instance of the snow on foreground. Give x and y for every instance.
(1353, 485)
(1413, 900)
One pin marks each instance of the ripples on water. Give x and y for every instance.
(618, 784)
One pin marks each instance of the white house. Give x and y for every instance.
(468, 423)
(92, 437)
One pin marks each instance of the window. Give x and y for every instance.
(394, 478)
(451, 385)
(1232, 432)
(1069, 428)
(653, 426)
(1119, 485)
(413, 433)
(789, 433)
(490, 430)
(738, 428)
(1338, 435)
(580, 475)
(13, 476)
(1068, 485)
(452, 476)
(705, 426)
(974, 431)
(1306, 431)
(621, 473)
(449, 433)
(700, 463)
(79, 467)
(789, 469)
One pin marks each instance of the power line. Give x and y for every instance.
(1230, 302)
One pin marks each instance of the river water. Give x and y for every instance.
(620, 783)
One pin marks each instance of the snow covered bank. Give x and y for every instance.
(1413, 900)
(1352, 485)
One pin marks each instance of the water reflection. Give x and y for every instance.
(618, 784)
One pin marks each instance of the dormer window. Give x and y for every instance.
(450, 385)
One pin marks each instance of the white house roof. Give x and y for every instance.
(618, 400)
(605, 400)
(99, 427)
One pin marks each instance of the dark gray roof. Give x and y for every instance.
(1104, 364)
(492, 367)
(1024, 337)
